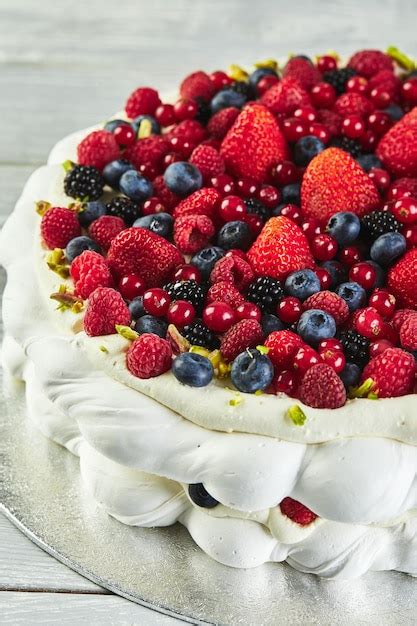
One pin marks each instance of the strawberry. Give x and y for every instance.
(208, 160)
(392, 373)
(221, 121)
(139, 251)
(402, 279)
(143, 101)
(297, 512)
(285, 97)
(398, 147)
(197, 85)
(352, 103)
(321, 388)
(335, 182)
(204, 201)
(281, 248)
(302, 70)
(369, 62)
(253, 144)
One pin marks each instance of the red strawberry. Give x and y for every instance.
(297, 512)
(192, 232)
(97, 149)
(245, 334)
(369, 62)
(285, 97)
(253, 144)
(197, 85)
(392, 373)
(321, 388)
(402, 279)
(59, 226)
(149, 356)
(143, 101)
(335, 182)
(202, 202)
(352, 103)
(105, 309)
(331, 303)
(208, 160)
(221, 121)
(280, 248)
(398, 147)
(283, 344)
(302, 70)
(148, 152)
(139, 251)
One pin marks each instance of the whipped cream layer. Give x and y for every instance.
(138, 453)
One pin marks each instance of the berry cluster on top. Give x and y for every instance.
(263, 227)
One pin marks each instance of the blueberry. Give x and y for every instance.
(387, 248)
(302, 284)
(227, 98)
(206, 258)
(380, 273)
(183, 178)
(155, 128)
(315, 325)
(270, 323)
(93, 210)
(353, 294)
(306, 149)
(151, 324)
(114, 170)
(234, 235)
(78, 245)
(201, 497)
(251, 371)
(111, 125)
(136, 308)
(159, 223)
(135, 186)
(394, 111)
(290, 194)
(350, 375)
(368, 161)
(259, 73)
(344, 227)
(193, 369)
(336, 270)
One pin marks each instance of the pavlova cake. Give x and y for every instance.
(213, 303)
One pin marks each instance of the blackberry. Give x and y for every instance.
(266, 293)
(254, 206)
(356, 347)
(339, 78)
(188, 290)
(199, 335)
(378, 223)
(123, 207)
(203, 111)
(348, 145)
(240, 86)
(84, 182)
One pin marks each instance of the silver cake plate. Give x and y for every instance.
(42, 493)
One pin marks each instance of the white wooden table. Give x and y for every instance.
(66, 65)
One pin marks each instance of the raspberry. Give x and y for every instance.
(283, 344)
(222, 121)
(302, 70)
(400, 317)
(297, 512)
(232, 269)
(149, 356)
(84, 182)
(105, 309)
(192, 232)
(89, 270)
(321, 388)
(97, 149)
(202, 202)
(197, 85)
(59, 226)
(190, 130)
(353, 104)
(225, 292)
(408, 332)
(208, 160)
(104, 230)
(368, 62)
(148, 153)
(387, 81)
(139, 251)
(168, 198)
(285, 97)
(329, 302)
(143, 101)
(392, 373)
(244, 334)
(331, 120)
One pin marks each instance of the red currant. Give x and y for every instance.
(330, 344)
(380, 177)
(294, 129)
(187, 272)
(390, 334)
(324, 278)
(153, 205)
(255, 223)
(306, 114)
(232, 208)
(124, 135)
(148, 170)
(311, 227)
(285, 173)
(379, 122)
(185, 110)
(219, 317)
(379, 346)
(409, 91)
(368, 141)
(353, 126)
(266, 83)
(397, 191)
(292, 211)
(246, 188)
(249, 311)
(364, 274)
(180, 313)
(405, 210)
(269, 196)
(286, 382)
(380, 97)
(131, 286)
(156, 301)
(165, 115)
(369, 323)
(326, 63)
(350, 255)
(410, 234)
(323, 247)
(334, 358)
(171, 157)
(321, 132)
(384, 302)
(357, 84)
(304, 358)
(224, 184)
(323, 95)
(181, 146)
(220, 79)
(289, 309)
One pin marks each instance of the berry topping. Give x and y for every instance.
(246, 333)
(142, 101)
(331, 303)
(105, 228)
(149, 356)
(198, 334)
(193, 369)
(106, 308)
(192, 232)
(266, 293)
(402, 279)
(123, 207)
(89, 270)
(97, 149)
(201, 497)
(355, 346)
(188, 290)
(297, 512)
(283, 344)
(83, 182)
(321, 388)
(59, 226)
(392, 373)
(251, 371)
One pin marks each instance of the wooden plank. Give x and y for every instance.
(68, 609)
(25, 566)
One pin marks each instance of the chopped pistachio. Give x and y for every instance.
(262, 349)
(103, 349)
(145, 129)
(68, 165)
(179, 343)
(42, 206)
(258, 392)
(200, 350)
(126, 332)
(400, 58)
(270, 64)
(55, 260)
(296, 415)
(237, 73)
(67, 300)
(363, 390)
